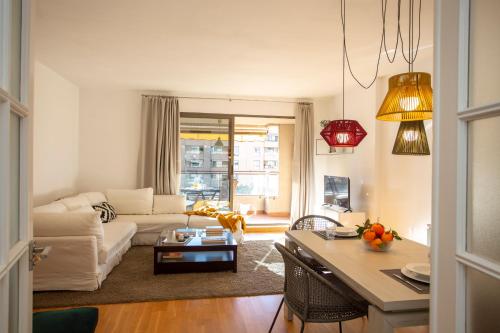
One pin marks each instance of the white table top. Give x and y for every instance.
(360, 268)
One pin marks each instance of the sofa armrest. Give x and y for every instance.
(70, 264)
(69, 224)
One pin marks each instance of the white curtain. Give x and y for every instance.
(159, 162)
(303, 162)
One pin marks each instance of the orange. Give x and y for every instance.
(376, 244)
(378, 229)
(369, 235)
(387, 237)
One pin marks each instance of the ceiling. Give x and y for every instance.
(278, 48)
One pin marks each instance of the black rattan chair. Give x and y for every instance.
(311, 222)
(312, 298)
(314, 222)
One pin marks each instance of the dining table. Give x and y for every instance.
(392, 303)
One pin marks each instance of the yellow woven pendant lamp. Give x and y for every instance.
(409, 98)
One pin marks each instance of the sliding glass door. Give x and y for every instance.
(206, 168)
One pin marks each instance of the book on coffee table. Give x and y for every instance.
(214, 240)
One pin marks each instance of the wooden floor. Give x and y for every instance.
(215, 315)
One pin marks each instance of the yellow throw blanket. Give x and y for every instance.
(227, 220)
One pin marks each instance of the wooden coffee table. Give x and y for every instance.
(196, 256)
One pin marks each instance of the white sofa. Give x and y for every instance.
(84, 250)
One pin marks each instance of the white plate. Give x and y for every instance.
(344, 230)
(414, 276)
(349, 235)
(420, 268)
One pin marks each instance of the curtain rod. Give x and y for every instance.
(229, 99)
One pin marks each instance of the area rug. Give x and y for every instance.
(260, 272)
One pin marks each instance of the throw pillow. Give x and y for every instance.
(108, 213)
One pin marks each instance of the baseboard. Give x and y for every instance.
(266, 229)
(278, 214)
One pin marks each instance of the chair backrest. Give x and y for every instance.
(314, 222)
(302, 284)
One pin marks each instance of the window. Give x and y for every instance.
(270, 164)
(219, 149)
(194, 149)
(271, 150)
(195, 163)
(219, 164)
(257, 167)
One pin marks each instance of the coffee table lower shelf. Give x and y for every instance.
(206, 259)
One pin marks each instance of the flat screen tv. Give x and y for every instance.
(337, 192)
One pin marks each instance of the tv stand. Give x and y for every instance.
(345, 216)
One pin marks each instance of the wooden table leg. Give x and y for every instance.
(287, 313)
(235, 260)
(385, 322)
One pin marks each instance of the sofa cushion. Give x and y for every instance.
(155, 223)
(75, 202)
(108, 213)
(68, 224)
(94, 197)
(116, 235)
(169, 204)
(200, 222)
(131, 201)
(54, 207)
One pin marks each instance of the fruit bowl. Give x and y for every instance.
(378, 245)
(376, 237)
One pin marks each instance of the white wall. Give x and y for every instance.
(110, 132)
(360, 106)
(395, 188)
(55, 137)
(110, 122)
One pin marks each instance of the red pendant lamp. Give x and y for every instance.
(344, 132)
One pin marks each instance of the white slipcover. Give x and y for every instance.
(75, 202)
(169, 204)
(155, 223)
(131, 201)
(94, 198)
(115, 237)
(53, 207)
(69, 224)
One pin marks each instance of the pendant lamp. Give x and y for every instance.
(409, 98)
(343, 132)
(410, 94)
(411, 139)
(219, 143)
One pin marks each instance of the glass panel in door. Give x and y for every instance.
(483, 302)
(15, 49)
(205, 153)
(484, 52)
(483, 188)
(15, 127)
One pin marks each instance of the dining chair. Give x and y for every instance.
(313, 298)
(315, 223)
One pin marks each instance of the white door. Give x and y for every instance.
(466, 170)
(15, 168)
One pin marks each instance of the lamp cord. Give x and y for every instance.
(412, 53)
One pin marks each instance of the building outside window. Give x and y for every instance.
(257, 167)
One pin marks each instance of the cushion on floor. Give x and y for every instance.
(79, 320)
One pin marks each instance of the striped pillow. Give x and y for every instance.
(108, 213)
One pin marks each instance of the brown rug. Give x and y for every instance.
(260, 272)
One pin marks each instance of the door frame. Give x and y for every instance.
(449, 257)
(10, 105)
(230, 156)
